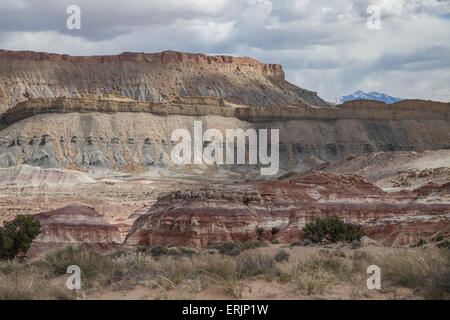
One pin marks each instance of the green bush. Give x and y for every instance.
(421, 242)
(187, 251)
(17, 235)
(173, 252)
(356, 244)
(158, 250)
(306, 242)
(296, 244)
(444, 244)
(332, 229)
(230, 248)
(275, 241)
(281, 256)
(252, 244)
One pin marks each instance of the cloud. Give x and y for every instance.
(324, 45)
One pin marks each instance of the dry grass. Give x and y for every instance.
(426, 271)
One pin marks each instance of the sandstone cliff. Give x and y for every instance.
(146, 77)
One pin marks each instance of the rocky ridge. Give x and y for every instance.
(146, 77)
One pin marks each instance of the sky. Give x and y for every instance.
(323, 45)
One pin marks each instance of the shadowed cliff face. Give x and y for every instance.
(146, 77)
(109, 132)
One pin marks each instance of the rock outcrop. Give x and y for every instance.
(146, 77)
(109, 132)
(279, 210)
(75, 225)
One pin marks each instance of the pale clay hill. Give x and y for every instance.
(108, 132)
(146, 77)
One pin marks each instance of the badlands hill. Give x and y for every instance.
(146, 77)
(111, 132)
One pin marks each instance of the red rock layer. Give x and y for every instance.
(279, 210)
(77, 226)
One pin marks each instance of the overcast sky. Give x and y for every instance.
(323, 45)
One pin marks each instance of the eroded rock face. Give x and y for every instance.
(146, 77)
(75, 225)
(279, 210)
(115, 133)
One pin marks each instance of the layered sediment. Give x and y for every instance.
(146, 77)
(75, 225)
(279, 211)
(111, 132)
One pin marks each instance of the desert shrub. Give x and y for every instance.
(252, 244)
(281, 256)
(173, 252)
(9, 266)
(275, 241)
(420, 243)
(248, 265)
(444, 244)
(230, 248)
(356, 244)
(128, 265)
(425, 271)
(296, 244)
(158, 250)
(90, 262)
(216, 266)
(174, 270)
(187, 251)
(16, 236)
(312, 275)
(332, 229)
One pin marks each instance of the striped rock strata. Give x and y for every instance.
(279, 210)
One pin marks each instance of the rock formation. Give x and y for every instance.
(279, 210)
(146, 77)
(75, 225)
(110, 132)
(124, 224)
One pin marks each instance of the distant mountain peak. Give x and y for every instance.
(373, 95)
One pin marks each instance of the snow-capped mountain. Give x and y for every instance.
(366, 96)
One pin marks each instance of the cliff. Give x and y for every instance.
(115, 132)
(146, 77)
(204, 106)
